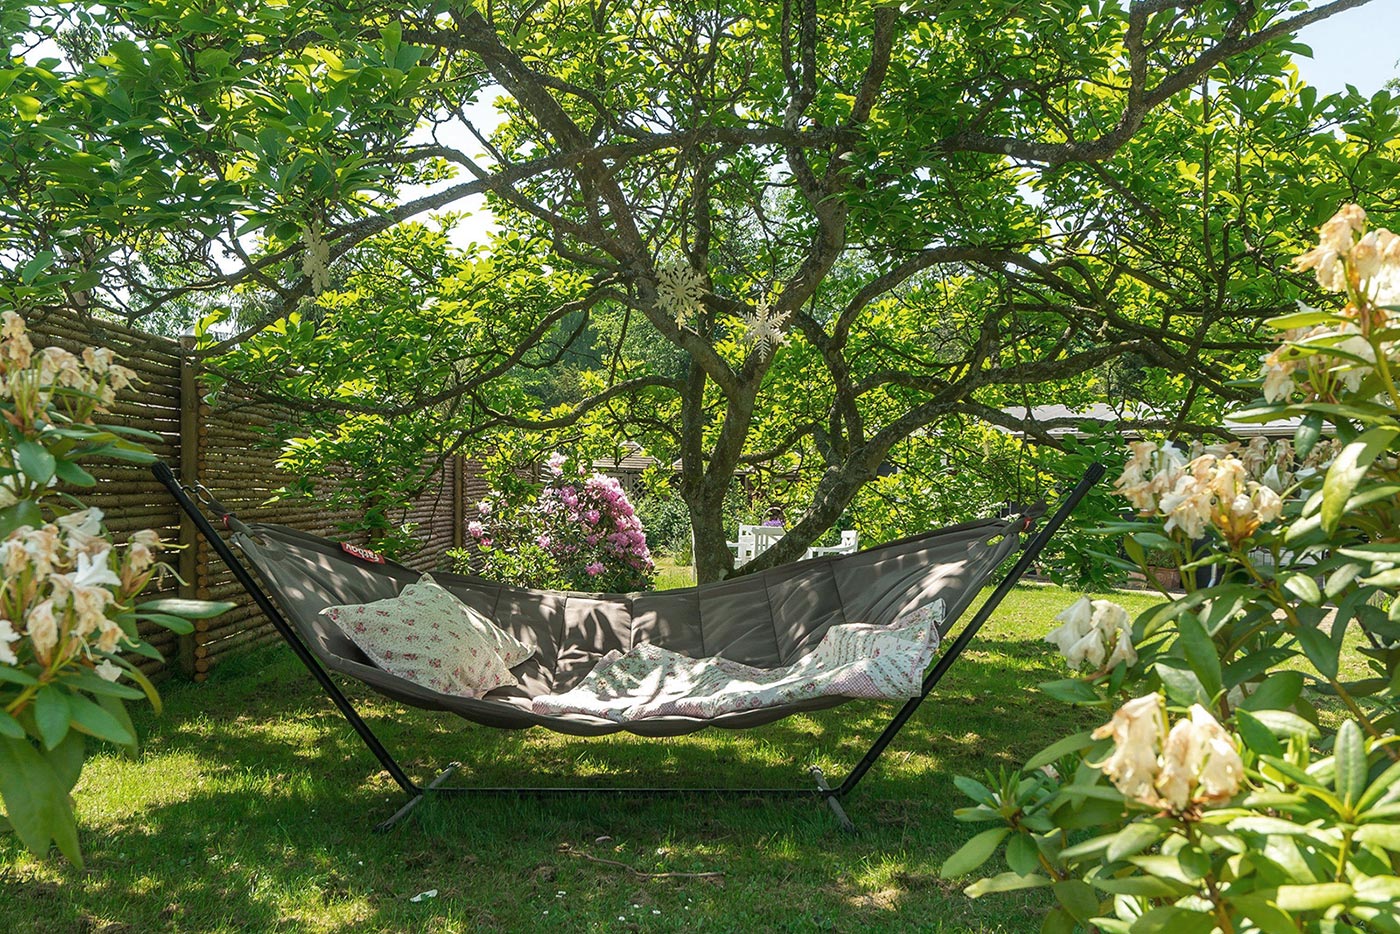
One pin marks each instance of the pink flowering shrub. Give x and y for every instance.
(579, 532)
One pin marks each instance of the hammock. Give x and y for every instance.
(766, 620)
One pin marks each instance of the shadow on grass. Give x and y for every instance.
(265, 823)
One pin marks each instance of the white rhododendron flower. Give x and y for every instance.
(1196, 762)
(108, 671)
(1098, 632)
(7, 636)
(1150, 473)
(42, 628)
(94, 571)
(1137, 730)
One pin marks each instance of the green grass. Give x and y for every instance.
(250, 807)
(670, 575)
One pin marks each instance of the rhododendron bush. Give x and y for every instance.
(577, 531)
(68, 610)
(1246, 772)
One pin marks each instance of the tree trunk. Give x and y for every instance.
(713, 559)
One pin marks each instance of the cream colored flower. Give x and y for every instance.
(120, 377)
(1188, 506)
(11, 325)
(1222, 772)
(43, 547)
(7, 636)
(1366, 255)
(1096, 632)
(1266, 502)
(111, 634)
(98, 359)
(107, 670)
(1181, 756)
(94, 571)
(90, 608)
(42, 627)
(1200, 764)
(81, 526)
(1137, 729)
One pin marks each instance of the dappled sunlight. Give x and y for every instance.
(250, 806)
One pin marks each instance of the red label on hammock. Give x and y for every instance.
(364, 554)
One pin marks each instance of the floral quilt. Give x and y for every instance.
(852, 660)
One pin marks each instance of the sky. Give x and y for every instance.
(1359, 47)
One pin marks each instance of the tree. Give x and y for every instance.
(936, 210)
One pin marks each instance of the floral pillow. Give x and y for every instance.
(427, 636)
(511, 649)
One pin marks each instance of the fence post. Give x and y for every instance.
(459, 506)
(189, 475)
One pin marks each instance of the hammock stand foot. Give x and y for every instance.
(833, 799)
(407, 809)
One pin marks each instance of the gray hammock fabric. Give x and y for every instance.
(767, 619)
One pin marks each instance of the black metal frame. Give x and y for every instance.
(416, 792)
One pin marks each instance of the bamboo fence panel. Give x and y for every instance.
(230, 448)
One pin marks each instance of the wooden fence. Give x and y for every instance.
(229, 449)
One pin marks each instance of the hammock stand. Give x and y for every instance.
(820, 788)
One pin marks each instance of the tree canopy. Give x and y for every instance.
(794, 237)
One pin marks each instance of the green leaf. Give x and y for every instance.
(36, 461)
(1315, 897)
(1348, 469)
(1070, 691)
(66, 759)
(1276, 692)
(1378, 890)
(1057, 921)
(116, 709)
(1170, 919)
(1005, 882)
(1133, 839)
(1058, 750)
(175, 624)
(1351, 766)
(1022, 855)
(1320, 650)
(51, 712)
(9, 727)
(1266, 915)
(1078, 898)
(974, 853)
(1182, 685)
(21, 514)
(1145, 886)
(1256, 735)
(16, 676)
(35, 266)
(1283, 723)
(86, 679)
(1308, 433)
(93, 720)
(1200, 652)
(185, 609)
(1303, 587)
(1386, 836)
(71, 473)
(35, 800)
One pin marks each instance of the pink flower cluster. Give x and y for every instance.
(585, 524)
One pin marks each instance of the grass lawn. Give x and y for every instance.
(250, 808)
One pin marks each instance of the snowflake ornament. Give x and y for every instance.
(766, 327)
(679, 289)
